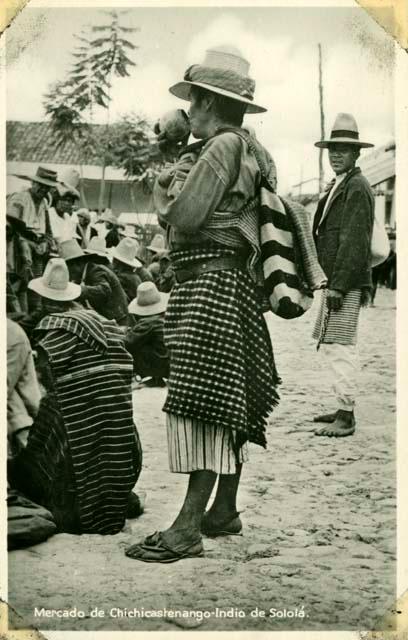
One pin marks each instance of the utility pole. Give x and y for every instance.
(321, 173)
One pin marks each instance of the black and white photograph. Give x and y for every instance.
(201, 308)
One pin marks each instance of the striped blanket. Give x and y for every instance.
(92, 373)
(283, 254)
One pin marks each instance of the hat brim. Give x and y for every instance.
(48, 183)
(65, 189)
(102, 254)
(72, 292)
(182, 90)
(132, 263)
(158, 251)
(324, 144)
(151, 309)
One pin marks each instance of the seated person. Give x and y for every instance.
(144, 338)
(100, 286)
(83, 454)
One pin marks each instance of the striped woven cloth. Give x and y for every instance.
(92, 372)
(339, 327)
(222, 369)
(282, 250)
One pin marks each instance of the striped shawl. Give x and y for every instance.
(92, 373)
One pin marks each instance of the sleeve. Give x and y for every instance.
(15, 205)
(204, 187)
(97, 289)
(353, 254)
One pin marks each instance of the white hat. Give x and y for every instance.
(158, 244)
(149, 300)
(344, 130)
(54, 283)
(224, 71)
(97, 246)
(70, 250)
(126, 252)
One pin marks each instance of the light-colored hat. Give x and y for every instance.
(97, 246)
(54, 283)
(224, 71)
(126, 252)
(158, 244)
(109, 217)
(84, 213)
(43, 176)
(149, 300)
(344, 130)
(70, 250)
(126, 233)
(64, 190)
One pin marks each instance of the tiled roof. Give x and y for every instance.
(35, 142)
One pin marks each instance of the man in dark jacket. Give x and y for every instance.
(101, 289)
(342, 230)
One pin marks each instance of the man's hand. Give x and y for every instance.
(334, 299)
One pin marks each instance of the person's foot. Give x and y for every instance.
(343, 426)
(136, 505)
(221, 524)
(167, 546)
(326, 417)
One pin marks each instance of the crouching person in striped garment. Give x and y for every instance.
(342, 229)
(223, 380)
(83, 454)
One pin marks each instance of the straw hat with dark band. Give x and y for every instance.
(224, 71)
(43, 176)
(344, 131)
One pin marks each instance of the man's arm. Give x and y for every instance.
(97, 289)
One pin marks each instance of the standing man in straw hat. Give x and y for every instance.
(31, 206)
(222, 383)
(342, 229)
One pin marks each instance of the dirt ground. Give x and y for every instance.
(319, 518)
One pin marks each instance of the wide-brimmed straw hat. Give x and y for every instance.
(149, 300)
(158, 244)
(97, 246)
(224, 71)
(67, 190)
(70, 250)
(54, 283)
(126, 252)
(344, 130)
(43, 176)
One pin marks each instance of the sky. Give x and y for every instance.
(281, 45)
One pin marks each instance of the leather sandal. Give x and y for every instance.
(156, 549)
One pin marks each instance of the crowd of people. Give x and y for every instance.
(86, 314)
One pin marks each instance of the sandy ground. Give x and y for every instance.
(319, 518)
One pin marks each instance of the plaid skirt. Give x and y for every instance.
(338, 327)
(222, 369)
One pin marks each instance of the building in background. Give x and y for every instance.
(30, 144)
